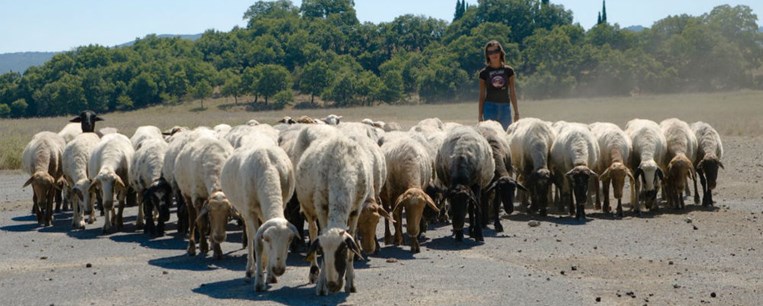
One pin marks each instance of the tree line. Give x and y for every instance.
(320, 49)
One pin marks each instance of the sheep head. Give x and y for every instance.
(414, 200)
(274, 237)
(108, 183)
(505, 187)
(218, 208)
(87, 119)
(709, 166)
(578, 178)
(538, 183)
(459, 197)
(43, 186)
(160, 194)
(337, 247)
(617, 172)
(369, 218)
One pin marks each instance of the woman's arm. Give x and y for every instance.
(513, 98)
(483, 93)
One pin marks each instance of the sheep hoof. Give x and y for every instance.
(248, 274)
(313, 277)
(351, 289)
(260, 287)
(272, 279)
(498, 227)
(459, 236)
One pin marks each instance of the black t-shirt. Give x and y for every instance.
(497, 83)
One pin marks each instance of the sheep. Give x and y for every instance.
(614, 152)
(70, 131)
(197, 174)
(502, 181)
(239, 135)
(409, 171)
(252, 122)
(287, 120)
(75, 159)
(680, 155)
(107, 130)
(708, 159)
(258, 179)
(221, 129)
(87, 120)
(574, 152)
(146, 168)
(144, 133)
(108, 169)
(360, 129)
(180, 138)
(465, 165)
(334, 177)
(41, 160)
(428, 125)
(332, 119)
(530, 141)
(649, 149)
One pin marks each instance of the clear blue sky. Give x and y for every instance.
(59, 25)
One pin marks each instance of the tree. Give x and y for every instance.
(460, 9)
(272, 79)
(315, 78)
(342, 90)
(201, 91)
(5, 110)
(232, 86)
(392, 89)
(270, 9)
(18, 108)
(604, 11)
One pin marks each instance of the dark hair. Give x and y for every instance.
(494, 43)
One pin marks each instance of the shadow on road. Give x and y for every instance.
(240, 289)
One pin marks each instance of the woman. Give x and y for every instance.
(497, 87)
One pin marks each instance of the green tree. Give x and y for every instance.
(5, 110)
(233, 85)
(201, 91)
(392, 86)
(315, 78)
(441, 80)
(18, 108)
(342, 90)
(272, 79)
(270, 9)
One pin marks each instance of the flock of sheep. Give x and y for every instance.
(342, 178)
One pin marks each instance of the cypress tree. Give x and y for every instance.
(598, 19)
(604, 11)
(459, 10)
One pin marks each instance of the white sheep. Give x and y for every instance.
(144, 133)
(332, 119)
(258, 180)
(221, 129)
(574, 152)
(530, 141)
(679, 160)
(75, 159)
(108, 170)
(242, 134)
(465, 166)
(41, 160)
(197, 174)
(649, 149)
(146, 168)
(70, 131)
(614, 152)
(334, 177)
(708, 160)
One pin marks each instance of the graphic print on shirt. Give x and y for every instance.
(498, 78)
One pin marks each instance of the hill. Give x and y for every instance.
(20, 61)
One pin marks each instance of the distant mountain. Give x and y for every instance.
(760, 29)
(635, 28)
(20, 61)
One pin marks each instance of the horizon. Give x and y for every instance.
(98, 24)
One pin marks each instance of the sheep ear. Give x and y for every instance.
(76, 119)
(260, 231)
(94, 184)
(569, 173)
(604, 175)
(520, 186)
(399, 202)
(660, 174)
(28, 182)
(99, 119)
(78, 193)
(383, 213)
(701, 165)
(204, 211)
(293, 229)
(119, 183)
(431, 203)
(591, 173)
(350, 242)
(492, 186)
(639, 172)
(313, 250)
(628, 173)
(721, 164)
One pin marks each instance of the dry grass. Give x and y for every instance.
(732, 114)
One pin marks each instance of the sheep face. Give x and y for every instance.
(709, 167)
(219, 209)
(87, 119)
(505, 187)
(578, 178)
(539, 183)
(275, 236)
(459, 198)
(650, 175)
(617, 172)
(337, 247)
(368, 219)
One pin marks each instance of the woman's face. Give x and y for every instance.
(493, 53)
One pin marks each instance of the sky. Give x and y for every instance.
(55, 25)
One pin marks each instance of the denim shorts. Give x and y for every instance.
(500, 112)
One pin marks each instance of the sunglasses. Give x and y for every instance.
(494, 51)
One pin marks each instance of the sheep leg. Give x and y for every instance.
(251, 227)
(182, 213)
(120, 221)
(139, 223)
(49, 210)
(259, 261)
(398, 238)
(99, 199)
(476, 223)
(312, 228)
(59, 200)
(146, 211)
(484, 203)
(496, 213)
(696, 195)
(349, 277)
(605, 192)
(91, 209)
(619, 208)
(191, 213)
(203, 227)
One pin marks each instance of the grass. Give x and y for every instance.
(731, 113)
